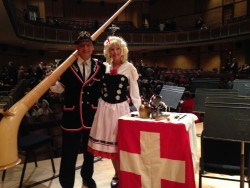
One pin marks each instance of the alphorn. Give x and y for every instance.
(9, 125)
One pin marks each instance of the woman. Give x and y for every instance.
(120, 77)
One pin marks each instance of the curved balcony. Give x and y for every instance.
(41, 31)
(232, 31)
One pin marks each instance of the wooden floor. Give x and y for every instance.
(103, 174)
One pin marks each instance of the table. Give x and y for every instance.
(157, 154)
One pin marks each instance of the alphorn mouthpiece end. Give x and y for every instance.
(6, 113)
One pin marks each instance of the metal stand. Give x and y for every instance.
(242, 166)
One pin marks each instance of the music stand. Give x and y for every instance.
(171, 95)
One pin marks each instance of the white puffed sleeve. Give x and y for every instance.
(108, 67)
(57, 88)
(133, 87)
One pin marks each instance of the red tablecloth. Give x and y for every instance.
(154, 155)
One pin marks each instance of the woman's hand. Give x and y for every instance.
(128, 100)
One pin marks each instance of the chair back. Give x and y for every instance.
(227, 118)
(202, 93)
(243, 86)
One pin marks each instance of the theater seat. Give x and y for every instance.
(27, 146)
(222, 157)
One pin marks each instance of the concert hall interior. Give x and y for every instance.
(194, 54)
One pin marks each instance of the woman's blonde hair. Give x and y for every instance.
(114, 40)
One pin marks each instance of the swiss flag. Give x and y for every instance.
(154, 155)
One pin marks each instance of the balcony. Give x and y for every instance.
(65, 32)
(231, 31)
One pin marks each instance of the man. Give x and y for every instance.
(12, 74)
(80, 84)
(234, 66)
(40, 73)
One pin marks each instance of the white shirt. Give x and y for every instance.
(58, 88)
(87, 66)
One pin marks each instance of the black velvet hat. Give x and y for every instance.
(83, 36)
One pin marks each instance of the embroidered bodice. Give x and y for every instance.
(114, 88)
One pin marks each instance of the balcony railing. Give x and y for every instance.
(235, 30)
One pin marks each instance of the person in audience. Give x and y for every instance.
(81, 86)
(187, 103)
(234, 66)
(40, 72)
(32, 112)
(244, 69)
(200, 24)
(44, 108)
(12, 73)
(114, 101)
(21, 73)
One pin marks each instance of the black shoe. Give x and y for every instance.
(89, 183)
(114, 182)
